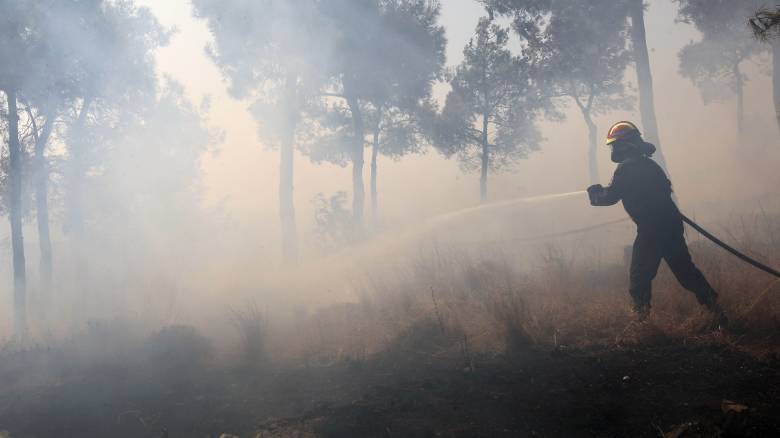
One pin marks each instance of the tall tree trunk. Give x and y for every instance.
(645, 79)
(776, 78)
(74, 224)
(483, 191)
(15, 217)
(739, 89)
(286, 186)
(374, 155)
(358, 189)
(74, 221)
(42, 206)
(286, 203)
(593, 163)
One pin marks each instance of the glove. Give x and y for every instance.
(593, 193)
(595, 188)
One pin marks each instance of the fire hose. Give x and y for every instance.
(740, 255)
(749, 260)
(735, 252)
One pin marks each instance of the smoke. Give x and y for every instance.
(175, 171)
(214, 269)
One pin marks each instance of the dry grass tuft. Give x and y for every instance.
(251, 325)
(452, 302)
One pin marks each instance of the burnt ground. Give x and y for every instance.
(670, 390)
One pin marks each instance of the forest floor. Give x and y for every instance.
(661, 389)
(450, 346)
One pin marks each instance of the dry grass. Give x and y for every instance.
(489, 304)
(251, 325)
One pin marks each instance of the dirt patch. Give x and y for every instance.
(644, 391)
(672, 391)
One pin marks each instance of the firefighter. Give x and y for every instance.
(646, 193)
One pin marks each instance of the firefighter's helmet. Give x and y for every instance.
(623, 131)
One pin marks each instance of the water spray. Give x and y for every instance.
(452, 215)
(558, 235)
(446, 217)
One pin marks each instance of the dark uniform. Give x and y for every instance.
(646, 193)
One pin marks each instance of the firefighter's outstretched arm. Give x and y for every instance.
(604, 196)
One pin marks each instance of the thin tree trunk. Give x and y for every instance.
(645, 79)
(42, 207)
(286, 186)
(374, 155)
(483, 191)
(739, 89)
(358, 189)
(286, 203)
(75, 215)
(593, 163)
(74, 224)
(776, 79)
(15, 217)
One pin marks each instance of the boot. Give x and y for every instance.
(719, 319)
(642, 312)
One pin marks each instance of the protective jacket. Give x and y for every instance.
(646, 193)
